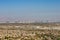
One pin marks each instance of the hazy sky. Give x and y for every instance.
(30, 9)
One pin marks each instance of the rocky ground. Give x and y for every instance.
(29, 32)
(29, 35)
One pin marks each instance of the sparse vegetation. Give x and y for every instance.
(13, 33)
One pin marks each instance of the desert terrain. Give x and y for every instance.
(29, 31)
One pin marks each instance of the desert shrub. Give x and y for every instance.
(38, 35)
(58, 38)
(6, 37)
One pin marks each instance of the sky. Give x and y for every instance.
(34, 10)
